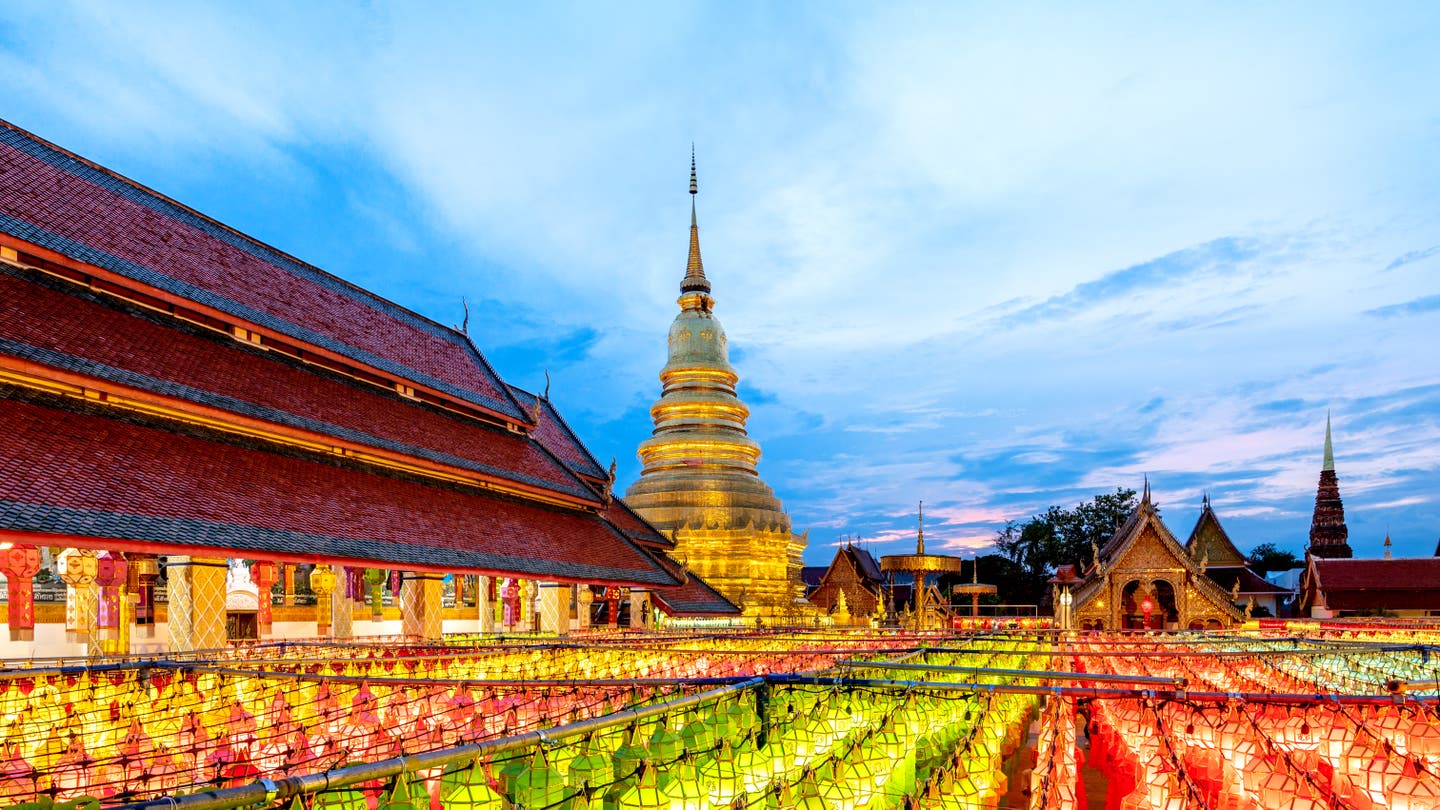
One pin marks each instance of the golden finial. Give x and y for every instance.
(920, 533)
(694, 280)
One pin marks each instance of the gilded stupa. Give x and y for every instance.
(699, 482)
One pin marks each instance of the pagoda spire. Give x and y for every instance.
(920, 530)
(1329, 535)
(694, 280)
(1329, 449)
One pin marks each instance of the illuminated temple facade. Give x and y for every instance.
(699, 483)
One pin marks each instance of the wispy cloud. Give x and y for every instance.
(1413, 256)
(1415, 306)
(987, 258)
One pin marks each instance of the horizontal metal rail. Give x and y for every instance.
(1180, 695)
(1035, 674)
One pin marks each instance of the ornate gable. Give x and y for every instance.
(1143, 577)
(847, 574)
(1210, 542)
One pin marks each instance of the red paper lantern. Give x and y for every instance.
(20, 564)
(109, 576)
(264, 574)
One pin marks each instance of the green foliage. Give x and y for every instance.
(1266, 557)
(1058, 536)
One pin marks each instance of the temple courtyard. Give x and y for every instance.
(1293, 715)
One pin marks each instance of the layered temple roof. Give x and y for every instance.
(1351, 585)
(171, 385)
(1223, 563)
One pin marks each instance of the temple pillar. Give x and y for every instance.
(483, 606)
(342, 606)
(197, 603)
(420, 605)
(554, 602)
(639, 609)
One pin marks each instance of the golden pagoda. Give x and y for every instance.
(699, 481)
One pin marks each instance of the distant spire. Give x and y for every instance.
(1387, 545)
(1145, 496)
(920, 535)
(694, 280)
(1328, 533)
(1329, 450)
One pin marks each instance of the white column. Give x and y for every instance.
(553, 602)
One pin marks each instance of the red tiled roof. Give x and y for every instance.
(71, 473)
(694, 598)
(53, 199)
(633, 526)
(1226, 575)
(555, 434)
(1402, 583)
(67, 328)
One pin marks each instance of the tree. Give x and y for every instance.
(1060, 536)
(1266, 557)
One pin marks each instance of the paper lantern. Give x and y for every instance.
(110, 575)
(77, 568)
(720, 776)
(375, 580)
(467, 789)
(684, 783)
(264, 574)
(646, 792)
(322, 582)
(20, 563)
(698, 736)
(539, 786)
(142, 571)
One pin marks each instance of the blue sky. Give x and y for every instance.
(995, 256)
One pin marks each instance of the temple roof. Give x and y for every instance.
(124, 233)
(71, 330)
(1146, 515)
(693, 597)
(1400, 583)
(1209, 540)
(173, 488)
(1226, 576)
(174, 386)
(552, 431)
(859, 560)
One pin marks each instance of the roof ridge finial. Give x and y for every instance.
(920, 534)
(694, 280)
(1329, 448)
(1145, 497)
